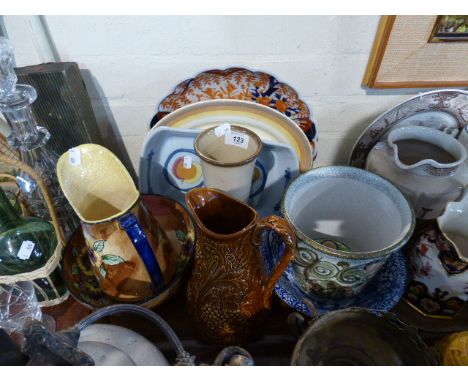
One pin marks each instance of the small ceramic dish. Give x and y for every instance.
(78, 273)
(162, 169)
(445, 110)
(270, 125)
(241, 84)
(112, 345)
(359, 337)
(381, 294)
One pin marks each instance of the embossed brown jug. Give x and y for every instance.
(229, 291)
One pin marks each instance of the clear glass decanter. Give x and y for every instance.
(30, 140)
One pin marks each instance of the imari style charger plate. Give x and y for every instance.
(445, 110)
(241, 84)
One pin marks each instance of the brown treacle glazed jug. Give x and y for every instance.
(229, 292)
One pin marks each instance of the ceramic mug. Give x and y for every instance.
(348, 222)
(228, 159)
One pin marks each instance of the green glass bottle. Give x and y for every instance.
(28, 248)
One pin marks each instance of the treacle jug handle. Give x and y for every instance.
(284, 230)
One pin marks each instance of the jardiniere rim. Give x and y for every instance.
(381, 253)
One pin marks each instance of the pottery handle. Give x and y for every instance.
(135, 232)
(284, 230)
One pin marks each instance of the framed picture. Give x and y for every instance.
(405, 54)
(450, 28)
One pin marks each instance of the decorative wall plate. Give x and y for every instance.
(241, 84)
(381, 294)
(162, 169)
(446, 110)
(78, 273)
(270, 125)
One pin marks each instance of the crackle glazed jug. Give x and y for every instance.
(229, 290)
(131, 256)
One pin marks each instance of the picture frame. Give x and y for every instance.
(404, 55)
(450, 28)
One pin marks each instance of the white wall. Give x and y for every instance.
(136, 61)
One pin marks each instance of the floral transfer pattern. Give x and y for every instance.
(241, 84)
(434, 304)
(439, 281)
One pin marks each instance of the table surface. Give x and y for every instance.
(273, 347)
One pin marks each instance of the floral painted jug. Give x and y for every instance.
(426, 164)
(229, 291)
(131, 256)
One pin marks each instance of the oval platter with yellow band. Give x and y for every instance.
(242, 84)
(268, 123)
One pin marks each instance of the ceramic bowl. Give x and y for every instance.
(382, 293)
(173, 218)
(348, 222)
(439, 264)
(438, 278)
(355, 336)
(129, 251)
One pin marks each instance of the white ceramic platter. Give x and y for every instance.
(269, 124)
(114, 345)
(162, 168)
(445, 110)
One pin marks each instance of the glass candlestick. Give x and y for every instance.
(30, 140)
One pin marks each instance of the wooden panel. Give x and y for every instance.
(63, 105)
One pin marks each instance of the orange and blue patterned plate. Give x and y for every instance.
(241, 84)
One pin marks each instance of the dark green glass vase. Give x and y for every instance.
(28, 251)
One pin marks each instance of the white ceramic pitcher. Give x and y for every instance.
(426, 164)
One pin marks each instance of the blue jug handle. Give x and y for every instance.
(139, 240)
